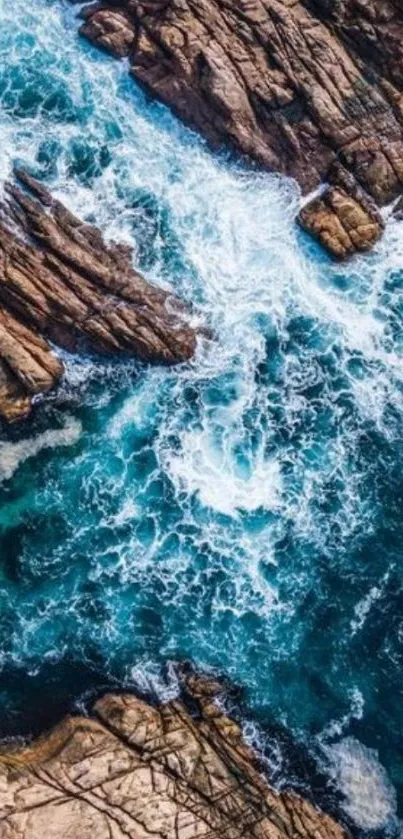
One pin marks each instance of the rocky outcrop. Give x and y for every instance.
(295, 85)
(134, 771)
(61, 283)
(343, 218)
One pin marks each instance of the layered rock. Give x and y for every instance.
(61, 283)
(292, 84)
(134, 771)
(343, 218)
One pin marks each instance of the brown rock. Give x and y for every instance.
(136, 771)
(112, 30)
(291, 84)
(15, 403)
(344, 219)
(60, 281)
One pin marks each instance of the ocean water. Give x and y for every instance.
(242, 511)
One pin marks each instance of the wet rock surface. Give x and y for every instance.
(134, 770)
(61, 283)
(344, 219)
(292, 84)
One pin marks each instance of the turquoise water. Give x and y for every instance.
(243, 511)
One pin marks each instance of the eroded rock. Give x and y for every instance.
(60, 282)
(133, 771)
(292, 84)
(343, 218)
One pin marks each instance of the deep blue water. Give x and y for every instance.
(243, 511)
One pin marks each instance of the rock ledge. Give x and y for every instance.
(134, 771)
(61, 283)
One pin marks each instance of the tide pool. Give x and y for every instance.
(243, 511)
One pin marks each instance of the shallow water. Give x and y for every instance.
(243, 511)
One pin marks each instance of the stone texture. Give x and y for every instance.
(60, 282)
(133, 771)
(343, 218)
(292, 84)
(114, 32)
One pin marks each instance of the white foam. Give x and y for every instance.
(138, 411)
(127, 512)
(338, 726)
(202, 468)
(363, 608)
(147, 676)
(370, 798)
(12, 455)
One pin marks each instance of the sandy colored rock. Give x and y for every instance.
(343, 219)
(59, 281)
(292, 84)
(133, 771)
(15, 404)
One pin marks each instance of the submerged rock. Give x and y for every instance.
(134, 770)
(60, 282)
(293, 84)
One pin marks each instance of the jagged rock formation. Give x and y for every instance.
(292, 84)
(60, 282)
(134, 771)
(343, 218)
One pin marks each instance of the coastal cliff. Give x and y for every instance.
(134, 770)
(61, 283)
(296, 86)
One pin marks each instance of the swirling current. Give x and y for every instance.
(242, 511)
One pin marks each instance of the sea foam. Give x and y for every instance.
(370, 798)
(12, 455)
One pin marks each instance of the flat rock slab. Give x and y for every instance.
(293, 85)
(61, 283)
(135, 771)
